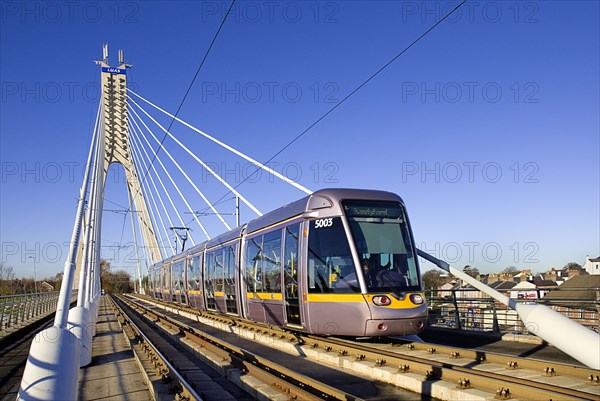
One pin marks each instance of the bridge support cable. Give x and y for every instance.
(135, 244)
(137, 144)
(92, 293)
(210, 170)
(170, 179)
(142, 163)
(82, 319)
(206, 167)
(224, 145)
(567, 335)
(84, 275)
(169, 175)
(136, 135)
(181, 170)
(145, 187)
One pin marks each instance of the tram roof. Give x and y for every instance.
(324, 198)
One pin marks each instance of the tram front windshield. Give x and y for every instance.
(384, 246)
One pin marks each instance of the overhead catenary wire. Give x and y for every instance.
(295, 139)
(214, 39)
(386, 65)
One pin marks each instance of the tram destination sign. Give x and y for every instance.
(382, 210)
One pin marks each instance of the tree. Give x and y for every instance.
(7, 278)
(431, 280)
(105, 275)
(509, 269)
(572, 266)
(121, 282)
(471, 271)
(118, 282)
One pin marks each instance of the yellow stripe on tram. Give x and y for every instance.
(336, 298)
(277, 296)
(350, 298)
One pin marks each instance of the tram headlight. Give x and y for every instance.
(416, 299)
(382, 300)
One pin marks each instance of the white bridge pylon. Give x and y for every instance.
(57, 353)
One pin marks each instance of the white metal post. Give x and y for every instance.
(569, 336)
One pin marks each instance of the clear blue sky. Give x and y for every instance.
(488, 127)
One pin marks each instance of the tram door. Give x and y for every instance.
(209, 289)
(290, 274)
(229, 270)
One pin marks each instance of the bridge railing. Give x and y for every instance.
(17, 311)
(466, 309)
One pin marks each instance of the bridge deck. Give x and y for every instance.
(113, 373)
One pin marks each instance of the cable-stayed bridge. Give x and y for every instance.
(128, 131)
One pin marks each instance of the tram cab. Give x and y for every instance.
(339, 262)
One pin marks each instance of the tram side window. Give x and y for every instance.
(156, 278)
(193, 273)
(218, 270)
(208, 272)
(253, 266)
(271, 261)
(330, 266)
(178, 276)
(214, 270)
(166, 278)
(151, 283)
(229, 264)
(263, 263)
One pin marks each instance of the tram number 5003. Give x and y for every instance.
(322, 223)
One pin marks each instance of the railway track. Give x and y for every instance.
(258, 376)
(438, 371)
(14, 350)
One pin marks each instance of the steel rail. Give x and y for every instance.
(435, 370)
(188, 390)
(511, 362)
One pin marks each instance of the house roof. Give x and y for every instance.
(524, 285)
(595, 259)
(580, 291)
(544, 283)
(449, 286)
(503, 285)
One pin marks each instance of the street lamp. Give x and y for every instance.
(34, 275)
